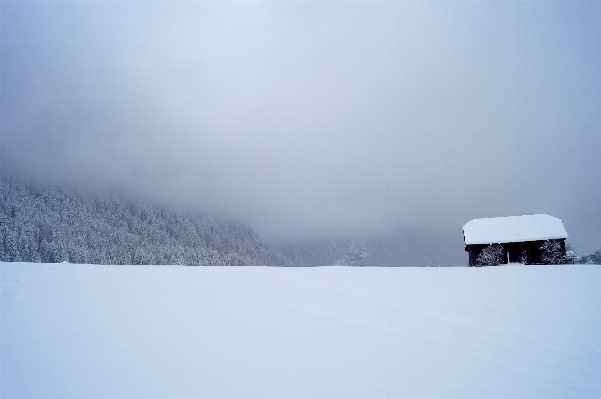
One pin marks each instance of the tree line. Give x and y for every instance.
(44, 223)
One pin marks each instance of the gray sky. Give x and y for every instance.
(314, 119)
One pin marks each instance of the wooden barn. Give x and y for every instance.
(528, 239)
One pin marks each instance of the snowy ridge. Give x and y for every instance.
(513, 229)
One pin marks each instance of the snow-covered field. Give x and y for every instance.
(85, 331)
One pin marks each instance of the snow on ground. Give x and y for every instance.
(86, 331)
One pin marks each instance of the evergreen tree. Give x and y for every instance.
(552, 253)
(493, 255)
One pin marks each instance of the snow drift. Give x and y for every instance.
(83, 331)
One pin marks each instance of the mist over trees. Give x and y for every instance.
(413, 249)
(399, 248)
(52, 223)
(41, 223)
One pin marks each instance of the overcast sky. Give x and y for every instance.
(314, 119)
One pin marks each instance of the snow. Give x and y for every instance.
(513, 229)
(88, 331)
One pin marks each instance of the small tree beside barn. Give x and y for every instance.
(528, 239)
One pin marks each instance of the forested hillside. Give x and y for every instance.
(41, 223)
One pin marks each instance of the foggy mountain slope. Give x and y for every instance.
(53, 224)
(400, 249)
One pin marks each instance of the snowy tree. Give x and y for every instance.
(493, 255)
(571, 256)
(592, 259)
(357, 255)
(552, 253)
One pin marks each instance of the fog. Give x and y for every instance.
(308, 120)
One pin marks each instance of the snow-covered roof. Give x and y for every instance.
(513, 229)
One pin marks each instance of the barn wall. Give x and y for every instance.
(527, 252)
